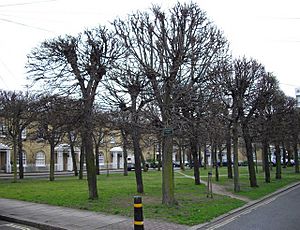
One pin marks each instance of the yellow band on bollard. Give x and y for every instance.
(138, 223)
(138, 205)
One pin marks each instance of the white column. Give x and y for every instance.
(8, 166)
(115, 160)
(60, 162)
(122, 160)
(70, 164)
(174, 156)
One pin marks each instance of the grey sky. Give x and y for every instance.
(267, 30)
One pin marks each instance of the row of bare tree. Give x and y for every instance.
(167, 74)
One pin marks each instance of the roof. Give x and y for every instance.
(3, 146)
(116, 149)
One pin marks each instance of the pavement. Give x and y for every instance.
(218, 189)
(43, 216)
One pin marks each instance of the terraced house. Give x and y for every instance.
(36, 153)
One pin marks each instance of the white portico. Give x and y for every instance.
(64, 157)
(5, 158)
(117, 157)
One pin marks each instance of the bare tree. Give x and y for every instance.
(166, 45)
(246, 88)
(252, 89)
(76, 65)
(293, 126)
(51, 120)
(101, 125)
(18, 111)
(127, 87)
(72, 129)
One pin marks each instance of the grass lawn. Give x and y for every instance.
(116, 196)
(288, 176)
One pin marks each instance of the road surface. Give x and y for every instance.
(5, 225)
(277, 213)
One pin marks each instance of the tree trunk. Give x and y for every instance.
(265, 152)
(125, 155)
(81, 162)
(137, 161)
(270, 160)
(289, 153)
(228, 155)
(159, 156)
(255, 154)
(97, 154)
(200, 156)
(15, 154)
(73, 155)
(20, 150)
(249, 151)
(90, 165)
(278, 159)
(283, 155)
(181, 160)
(295, 147)
(87, 140)
(52, 161)
(190, 160)
(205, 157)
(236, 179)
(220, 157)
(168, 197)
(194, 152)
(215, 160)
(183, 157)
(145, 168)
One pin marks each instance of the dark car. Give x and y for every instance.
(131, 166)
(176, 164)
(153, 164)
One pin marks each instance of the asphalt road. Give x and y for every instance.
(277, 213)
(5, 225)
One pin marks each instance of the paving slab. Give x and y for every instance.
(44, 216)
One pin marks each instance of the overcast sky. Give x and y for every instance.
(267, 30)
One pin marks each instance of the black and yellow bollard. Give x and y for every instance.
(138, 213)
(209, 185)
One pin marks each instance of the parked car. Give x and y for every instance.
(292, 162)
(153, 164)
(273, 161)
(131, 166)
(176, 164)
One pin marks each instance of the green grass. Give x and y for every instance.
(288, 176)
(116, 194)
(263, 189)
(116, 197)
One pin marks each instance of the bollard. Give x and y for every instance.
(209, 185)
(138, 213)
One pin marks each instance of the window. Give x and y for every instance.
(40, 159)
(112, 139)
(298, 101)
(24, 159)
(101, 158)
(3, 130)
(24, 134)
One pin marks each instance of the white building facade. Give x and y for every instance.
(297, 92)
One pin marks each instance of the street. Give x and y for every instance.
(5, 225)
(276, 213)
